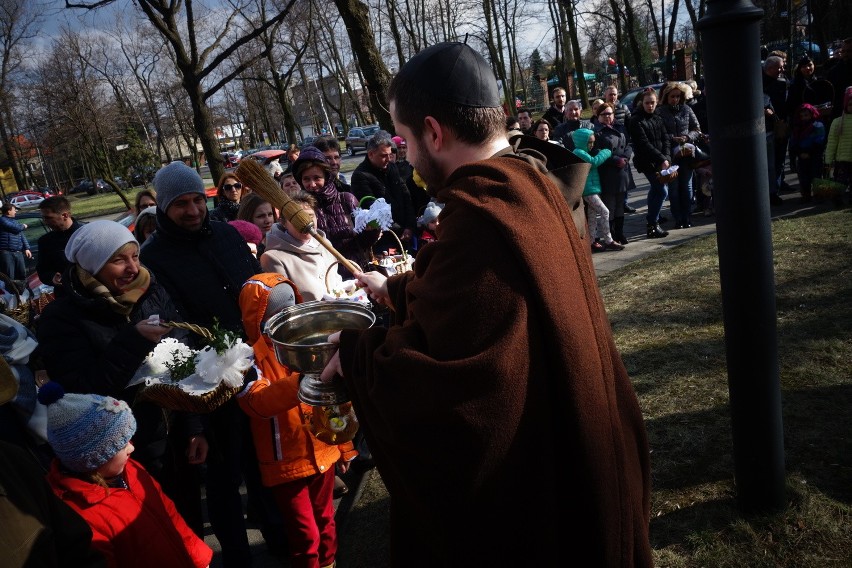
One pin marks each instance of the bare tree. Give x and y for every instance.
(18, 22)
(376, 77)
(178, 25)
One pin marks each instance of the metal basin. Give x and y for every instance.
(299, 334)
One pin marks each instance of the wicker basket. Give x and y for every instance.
(401, 262)
(172, 397)
(21, 312)
(824, 188)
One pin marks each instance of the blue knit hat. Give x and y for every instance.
(85, 430)
(175, 180)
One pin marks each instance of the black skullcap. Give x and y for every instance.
(805, 60)
(453, 72)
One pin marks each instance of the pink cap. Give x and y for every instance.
(399, 141)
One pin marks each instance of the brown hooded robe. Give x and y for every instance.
(497, 409)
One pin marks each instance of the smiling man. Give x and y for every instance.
(203, 264)
(497, 407)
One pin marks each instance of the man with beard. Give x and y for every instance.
(487, 369)
(203, 264)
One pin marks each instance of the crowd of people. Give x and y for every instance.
(804, 114)
(469, 393)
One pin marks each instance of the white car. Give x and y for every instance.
(26, 200)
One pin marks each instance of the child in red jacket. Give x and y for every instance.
(133, 523)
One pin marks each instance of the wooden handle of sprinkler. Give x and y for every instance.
(258, 179)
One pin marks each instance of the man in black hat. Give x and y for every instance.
(500, 366)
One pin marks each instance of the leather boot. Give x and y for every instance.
(656, 232)
(618, 230)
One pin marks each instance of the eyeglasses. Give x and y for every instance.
(606, 114)
(232, 186)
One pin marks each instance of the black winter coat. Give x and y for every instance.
(203, 271)
(89, 348)
(613, 178)
(370, 180)
(650, 142)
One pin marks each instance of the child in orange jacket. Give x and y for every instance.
(298, 467)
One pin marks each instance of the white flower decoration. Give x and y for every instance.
(379, 212)
(166, 350)
(112, 405)
(228, 367)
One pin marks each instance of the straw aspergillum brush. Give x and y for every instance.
(258, 179)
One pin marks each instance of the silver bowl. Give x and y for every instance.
(299, 335)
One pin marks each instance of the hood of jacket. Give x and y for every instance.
(254, 298)
(581, 138)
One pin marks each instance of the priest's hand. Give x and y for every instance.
(333, 367)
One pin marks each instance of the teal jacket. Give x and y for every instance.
(581, 142)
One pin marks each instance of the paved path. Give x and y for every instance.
(639, 247)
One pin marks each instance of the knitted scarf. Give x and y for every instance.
(329, 206)
(122, 304)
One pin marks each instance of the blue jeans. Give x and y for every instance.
(680, 195)
(12, 264)
(656, 196)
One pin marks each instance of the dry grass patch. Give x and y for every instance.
(666, 314)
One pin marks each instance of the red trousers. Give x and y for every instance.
(307, 506)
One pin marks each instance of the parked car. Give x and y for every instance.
(35, 229)
(82, 187)
(230, 159)
(121, 182)
(89, 187)
(266, 156)
(629, 98)
(307, 141)
(357, 138)
(26, 199)
(141, 175)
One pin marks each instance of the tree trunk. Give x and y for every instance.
(10, 154)
(204, 128)
(376, 77)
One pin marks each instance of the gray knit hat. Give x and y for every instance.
(175, 180)
(93, 244)
(85, 430)
(281, 296)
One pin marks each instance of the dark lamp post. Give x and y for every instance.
(730, 36)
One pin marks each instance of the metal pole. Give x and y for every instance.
(730, 32)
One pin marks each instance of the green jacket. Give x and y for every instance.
(581, 142)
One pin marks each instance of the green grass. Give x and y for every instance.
(666, 316)
(83, 206)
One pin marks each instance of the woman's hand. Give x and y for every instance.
(376, 285)
(343, 466)
(153, 332)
